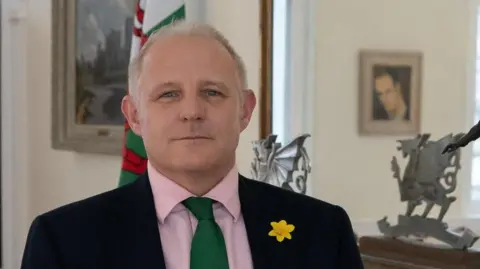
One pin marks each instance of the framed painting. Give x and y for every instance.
(389, 92)
(266, 34)
(91, 52)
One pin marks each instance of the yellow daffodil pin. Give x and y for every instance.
(281, 230)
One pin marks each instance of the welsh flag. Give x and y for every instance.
(150, 16)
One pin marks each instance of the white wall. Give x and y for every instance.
(355, 171)
(349, 170)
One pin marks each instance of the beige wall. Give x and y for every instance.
(355, 171)
(349, 170)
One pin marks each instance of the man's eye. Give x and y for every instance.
(169, 95)
(212, 92)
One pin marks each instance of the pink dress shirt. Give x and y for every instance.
(177, 225)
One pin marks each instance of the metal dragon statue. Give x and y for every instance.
(276, 165)
(429, 177)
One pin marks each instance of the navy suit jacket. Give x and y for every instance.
(118, 229)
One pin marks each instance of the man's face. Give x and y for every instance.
(387, 92)
(189, 111)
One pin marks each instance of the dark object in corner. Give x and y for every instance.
(472, 135)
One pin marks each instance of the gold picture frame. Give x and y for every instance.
(390, 89)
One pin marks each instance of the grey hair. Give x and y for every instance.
(182, 27)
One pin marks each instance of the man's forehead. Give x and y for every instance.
(192, 44)
(384, 80)
(180, 55)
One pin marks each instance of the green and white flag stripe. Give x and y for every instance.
(159, 13)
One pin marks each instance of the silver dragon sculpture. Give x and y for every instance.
(429, 177)
(279, 165)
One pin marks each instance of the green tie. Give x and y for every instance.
(208, 245)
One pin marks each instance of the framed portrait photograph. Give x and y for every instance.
(91, 53)
(389, 92)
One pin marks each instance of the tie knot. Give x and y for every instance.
(201, 207)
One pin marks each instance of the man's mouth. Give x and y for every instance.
(195, 137)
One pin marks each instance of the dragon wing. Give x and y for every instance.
(432, 162)
(285, 159)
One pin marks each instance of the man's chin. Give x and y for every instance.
(194, 165)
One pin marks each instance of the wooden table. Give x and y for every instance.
(380, 252)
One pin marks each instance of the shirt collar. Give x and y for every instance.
(167, 194)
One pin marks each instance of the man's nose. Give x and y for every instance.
(192, 108)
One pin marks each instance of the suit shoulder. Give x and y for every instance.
(302, 208)
(291, 198)
(89, 207)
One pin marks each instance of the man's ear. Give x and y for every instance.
(249, 103)
(131, 114)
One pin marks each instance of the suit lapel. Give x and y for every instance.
(259, 210)
(135, 239)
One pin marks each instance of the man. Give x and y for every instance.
(189, 102)
(388, 90)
